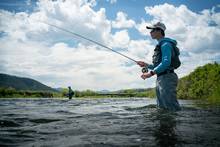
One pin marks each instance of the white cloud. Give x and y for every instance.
(143, 49)
(141, 27)
(122, 21)
(112, 1)
(189, 63)
(120, 39)
(75, 15)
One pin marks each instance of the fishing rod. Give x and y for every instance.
(88, 39)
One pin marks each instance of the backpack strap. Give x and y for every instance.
(172, 44)
(175, 61)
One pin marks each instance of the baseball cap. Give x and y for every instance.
(157, 25)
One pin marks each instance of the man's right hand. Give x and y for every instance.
(142, 64)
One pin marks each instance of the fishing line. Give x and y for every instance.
(88, 39)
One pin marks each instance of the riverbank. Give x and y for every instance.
(12, 93)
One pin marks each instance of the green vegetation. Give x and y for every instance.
(86, 93)
(11, 93)
(150, 92)
(203, 84)
(121, 93)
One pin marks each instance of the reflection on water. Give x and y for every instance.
(165, 134)
(105, 122)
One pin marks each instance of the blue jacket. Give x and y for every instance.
(166, 49)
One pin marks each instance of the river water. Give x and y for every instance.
(105, 122)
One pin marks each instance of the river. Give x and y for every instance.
(106, 122)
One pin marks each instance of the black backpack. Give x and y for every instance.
(175, 60)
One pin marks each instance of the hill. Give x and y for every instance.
(202, 83)
(20, 83)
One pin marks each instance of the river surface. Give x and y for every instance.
(106, 122)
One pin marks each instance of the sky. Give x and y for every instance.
(30, 48)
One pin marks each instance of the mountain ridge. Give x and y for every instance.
(22, 83)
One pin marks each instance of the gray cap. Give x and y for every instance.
(157, 25)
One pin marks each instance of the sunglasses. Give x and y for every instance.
(154, 30)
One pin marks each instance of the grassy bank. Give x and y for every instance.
(202, 84)
(13, 93)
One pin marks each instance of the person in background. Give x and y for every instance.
(162, 66)
(70, 92)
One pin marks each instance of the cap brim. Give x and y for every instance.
(150, 27)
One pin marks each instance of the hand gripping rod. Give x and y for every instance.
(80, 36)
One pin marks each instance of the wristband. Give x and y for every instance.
(152, 73)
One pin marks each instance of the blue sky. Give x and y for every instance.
(132, 7)
(124, 5)
(32, 49)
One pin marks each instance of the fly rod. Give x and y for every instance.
(88, 39)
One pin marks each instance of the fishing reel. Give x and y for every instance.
(144, 70)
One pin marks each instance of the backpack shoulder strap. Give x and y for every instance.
(175, 48)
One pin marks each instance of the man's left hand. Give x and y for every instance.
(146, 75)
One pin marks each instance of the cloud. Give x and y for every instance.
(122, 21)
(77, 16)
(120, 39)
(112, 1)
(193, 60)
(143, 49)
(141, 27)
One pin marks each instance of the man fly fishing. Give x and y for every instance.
(165, 60)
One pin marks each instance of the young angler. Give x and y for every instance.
(163, 66)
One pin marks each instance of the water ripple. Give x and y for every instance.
(44, 120)
(105, 122)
